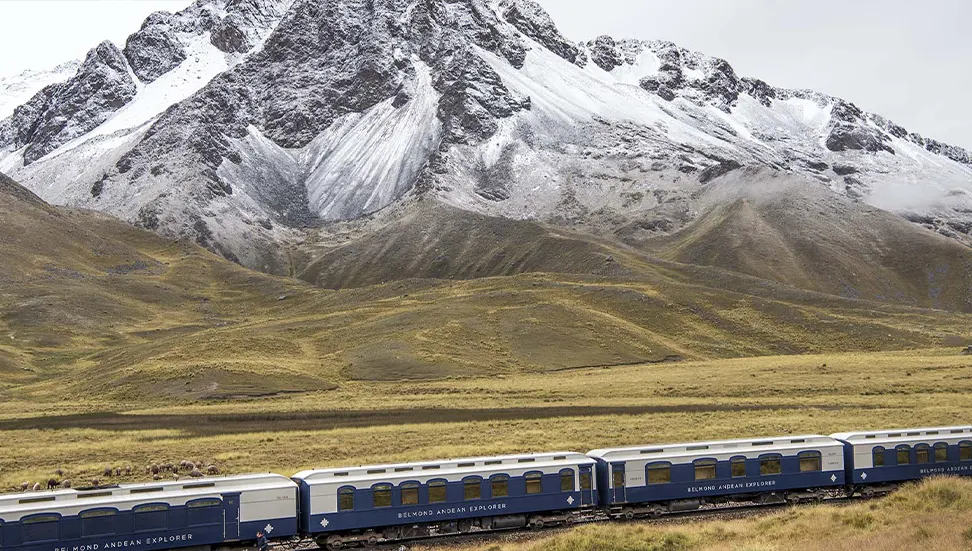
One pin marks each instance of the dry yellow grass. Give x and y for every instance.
(578, 410)
(935, 514)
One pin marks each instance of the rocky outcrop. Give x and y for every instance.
(473, 99)
(155, 50)
(533, 21)
(603, 52)
(62, 112)
(850, 131)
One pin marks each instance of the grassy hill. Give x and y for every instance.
(794, 231)
(91, 306)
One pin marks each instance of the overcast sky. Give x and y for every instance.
(906, 59)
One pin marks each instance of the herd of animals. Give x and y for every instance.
(158, 472)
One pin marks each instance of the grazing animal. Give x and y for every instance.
(190, 465)
(155, 469)
(108, 471)
(212, 469)
(128, 471)
(37, 487)
(25, 486)
(183, 463)
(196, 473)
(59, 472)
(52, 484)
(156, 477)
(96, 483)
(65, 483)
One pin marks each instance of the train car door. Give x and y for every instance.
(617, 482)
(231, 517)
(587, 486)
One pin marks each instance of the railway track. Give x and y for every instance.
(734, 512)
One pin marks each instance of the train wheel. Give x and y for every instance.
(628, 514)
(334, 543)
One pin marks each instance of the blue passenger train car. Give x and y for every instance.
(146, 517)
(877, 460)
(664, 478)
(392, 502)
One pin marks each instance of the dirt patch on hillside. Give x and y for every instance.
(327, 420)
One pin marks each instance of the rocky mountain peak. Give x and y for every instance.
(62, 112)
(249, 121)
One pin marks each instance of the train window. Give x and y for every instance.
(705, 469)
(494, 462)
(410, 493)
(941, 452)
(40, 528)
(36, 499)
(965, 451)
(463, 465)
(585, 480)
(212, 502)
(922, 454)
(145, 490)
(346, 499)
(472, 488)
(904, 454)
(770, 465)
(97, 522)
(381, 495)
(738, 467)
(659, 473)
(810, 462)
(151, 518)
(617, 475)
(567, 480)
(499, 485)
(533, 483)
(437, 491)
(878, 456)
(203, 512)
(404, 469)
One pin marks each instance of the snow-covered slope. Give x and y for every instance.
(15, 90)
(239, 123)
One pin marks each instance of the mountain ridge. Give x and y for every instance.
(252, 121)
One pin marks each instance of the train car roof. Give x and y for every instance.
(124, 494)
(440, 468)
(905, 435)
(695, 449)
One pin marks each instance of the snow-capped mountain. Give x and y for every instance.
(239, 123)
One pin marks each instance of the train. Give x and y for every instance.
(381, 504)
